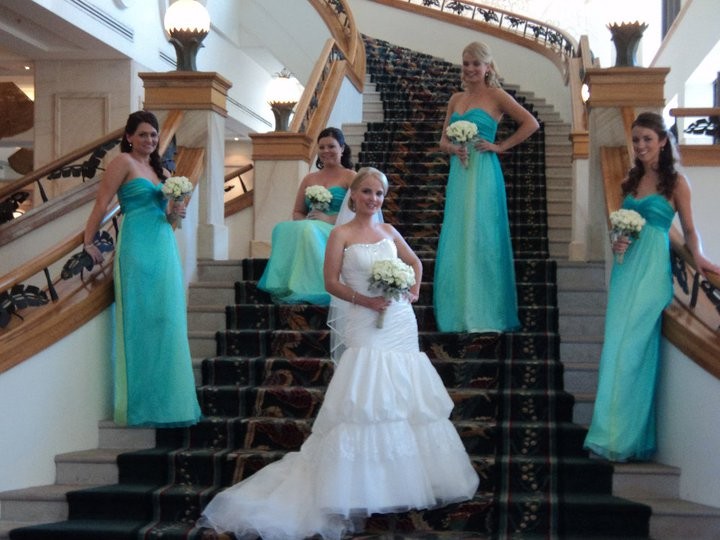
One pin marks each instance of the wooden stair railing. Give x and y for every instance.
(536, 35)
(81, 297)
(83, 194)
(242, 200)
(699, 155)
(692, 321)
(340, 21)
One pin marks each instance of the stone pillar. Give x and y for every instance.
(617, 95)
(281, 161)
(203, 97)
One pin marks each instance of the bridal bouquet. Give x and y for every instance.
(318, 197)
(177, 188)
(393, 279)
(625, 223)
(462, 132)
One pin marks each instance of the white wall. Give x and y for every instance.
(688, 438)
(52, 404)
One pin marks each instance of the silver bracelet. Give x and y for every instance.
(353, 297)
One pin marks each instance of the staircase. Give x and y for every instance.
(262, 375)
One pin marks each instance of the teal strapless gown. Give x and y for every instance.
(294, 273)
(474, 286)
(623, 423)
(154, 383)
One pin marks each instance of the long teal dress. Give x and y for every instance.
(623, 423)
(154, 383)
(474, 285)
(294, 273)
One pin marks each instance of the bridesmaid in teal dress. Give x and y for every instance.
(623, 423)
(294, 271)
(474, 284)
(154, 382)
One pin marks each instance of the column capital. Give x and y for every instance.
(626, 87)
(187, 90)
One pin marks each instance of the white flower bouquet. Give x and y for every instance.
(625, 224)
(319, 198)
(177, 188)
(393, 279)
(462, 132)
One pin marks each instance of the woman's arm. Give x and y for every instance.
(527, 124)
(681, 197)
(113, 178)
(299, 209)
(445, 144)
(409, 257)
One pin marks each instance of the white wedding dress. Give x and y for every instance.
(381, 442)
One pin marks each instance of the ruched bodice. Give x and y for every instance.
(486, 124)
(141, 195)
(338, 195)
(656, 209)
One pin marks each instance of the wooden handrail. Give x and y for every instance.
(694, 111)
(557, 54)
(301, 109)
(339, 19)
(239, 171)
(16, 185)
(169, 128)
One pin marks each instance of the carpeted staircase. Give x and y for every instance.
(263, 387)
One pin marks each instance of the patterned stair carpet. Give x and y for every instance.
(264, 387)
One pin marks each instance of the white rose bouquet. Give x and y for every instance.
(318, 197)
(176, 188)
(462, 132)
(393, 279)
(625, 223)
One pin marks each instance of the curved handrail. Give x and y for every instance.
(537, 35)
(340, 21)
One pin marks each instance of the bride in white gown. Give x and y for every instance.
(382, 441)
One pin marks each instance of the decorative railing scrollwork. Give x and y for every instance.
(695, 292)
(527, 28)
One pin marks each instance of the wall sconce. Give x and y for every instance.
(187, 22)
(283, 94)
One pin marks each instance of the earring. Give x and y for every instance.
(130, 145)
(351, 204)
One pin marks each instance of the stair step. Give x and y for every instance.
(39, 504)
(87, 467)
(210, 270)
(210, 293)
(114, 436)
(645, 481)
(673, 519)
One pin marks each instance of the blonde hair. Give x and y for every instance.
(481, 52)
(361, 175)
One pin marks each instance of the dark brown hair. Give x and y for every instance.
(335, 133)
(667, 175)
(131, 126)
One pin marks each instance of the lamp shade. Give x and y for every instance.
(283, 89)
(187, 22)
(187, 15)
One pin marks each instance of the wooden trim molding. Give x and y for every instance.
(186, 90)
(281, 145)
(700, 155)
(626, 87)
(580, 145)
